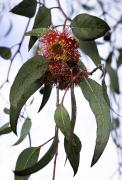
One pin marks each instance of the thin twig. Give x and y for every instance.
(64, 14)
(56, 154)
(16, 52)
(47, 142)
(56, 135)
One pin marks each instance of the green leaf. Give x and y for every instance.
(73, 109)
(72, 149)
(119, 62)
(93, 92)
(25, 8)
(5, 52)
(41, 163)
(87, 27)
(36, 32)
(25, 130)
(26, 159)
(25, 84)
(6, 111)
(113, 78)
(90, 49)
(115, 124)
(42, 20)
(46, 96)
(104, 88)
(5, 129)
(62, 120)
(81, 64)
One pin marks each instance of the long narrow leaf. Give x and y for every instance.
(25, 130)
(62, 120)
(26, 159)
(93, 92)
(90, 49)
(46, 96)
(41, 163)
(72, 149)
(25, 84)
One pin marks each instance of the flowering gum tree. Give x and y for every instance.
(57, 63)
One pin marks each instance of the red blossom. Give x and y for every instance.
(59, 46)
(61, 51)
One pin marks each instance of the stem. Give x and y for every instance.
(15, 54)
(56, 154)
(95, 69)
(64, 95)
(64, 14)
(56, 135)
(46, 142)
(57, 93)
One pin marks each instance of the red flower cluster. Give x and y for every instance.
(61, 51)
(59, 46)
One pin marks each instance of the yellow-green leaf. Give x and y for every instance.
(62, 120)
(36, 32)
(24, 131)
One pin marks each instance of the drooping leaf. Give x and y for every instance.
(41, 163)
(25, 8)
(5, 52)
(26, 159)
(24, 131)
(36, 32)
(93, 92)
(62, 120)
(41, 90)
(104, 88)
(6, 111)
(72, 149)
(119, 62)
(73, 109)
(46, 96)
(42, 20)
(87, 27)
(25, 84)
(5, 129)
(113, 78)
(90, 49)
